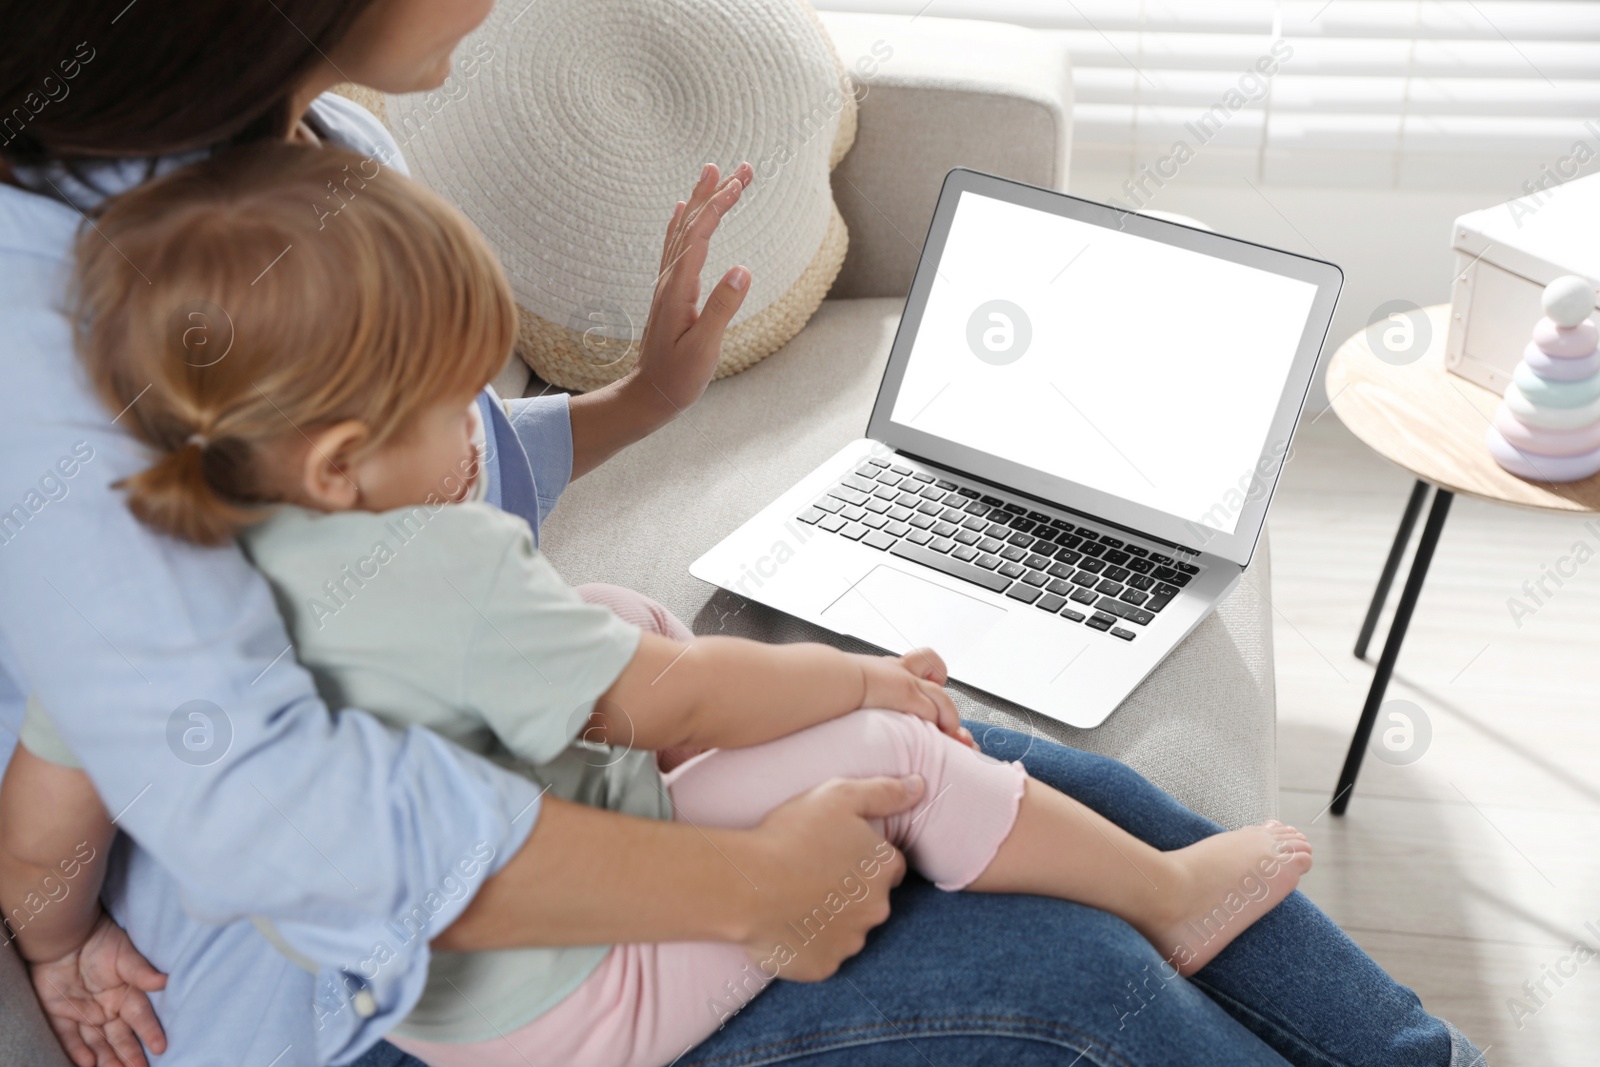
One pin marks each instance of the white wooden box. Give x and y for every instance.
(1505, 256)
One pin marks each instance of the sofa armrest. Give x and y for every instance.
(937, 94)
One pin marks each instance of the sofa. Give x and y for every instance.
(954, 93)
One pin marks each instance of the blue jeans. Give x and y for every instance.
(958, 979)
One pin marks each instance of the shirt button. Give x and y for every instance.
(365, 1003)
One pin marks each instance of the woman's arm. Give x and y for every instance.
(662, 881)
(727, 692)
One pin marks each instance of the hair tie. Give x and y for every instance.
(199, 440)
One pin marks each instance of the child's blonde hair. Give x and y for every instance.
(268, 292)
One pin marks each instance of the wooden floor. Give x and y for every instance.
(1475, 869)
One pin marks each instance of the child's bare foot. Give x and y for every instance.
(1229, 881)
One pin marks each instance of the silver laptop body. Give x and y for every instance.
(1069, 463)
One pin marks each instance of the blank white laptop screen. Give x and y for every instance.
(1117, 362)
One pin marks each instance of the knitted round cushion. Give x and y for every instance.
(571, 127)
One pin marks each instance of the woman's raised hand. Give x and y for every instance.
(913, 684)
(682, 341)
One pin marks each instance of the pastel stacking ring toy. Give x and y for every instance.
(1547, 429)
(1557, 393)
(1557, 340)
(1560, 368)
(1546, 417)
(1540, 468)
(1546, 442)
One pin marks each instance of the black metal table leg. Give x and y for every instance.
(1391, 647)
(1391, 566)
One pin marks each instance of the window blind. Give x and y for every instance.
(1396, 93)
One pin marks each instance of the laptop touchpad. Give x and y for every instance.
(896, 610)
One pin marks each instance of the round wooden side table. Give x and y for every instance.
(1403, 404)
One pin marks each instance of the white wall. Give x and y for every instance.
(1392, 244)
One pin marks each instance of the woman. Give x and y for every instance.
(96, 615)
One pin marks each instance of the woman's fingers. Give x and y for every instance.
(721, 306)
(878, 798)
(706, 187)
(712, 183)
(698, 226)
(670, 289)
(801, 849)
(671, 239)
(710, 179)
(679, 291)
(675, 303)
(672, 248)
(705, 207)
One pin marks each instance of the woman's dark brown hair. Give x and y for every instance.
(85, 79)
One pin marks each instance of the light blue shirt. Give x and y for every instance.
(167, 669)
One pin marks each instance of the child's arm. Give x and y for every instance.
(541, 666)
(54, 833)
(730, 693)
(91, 981)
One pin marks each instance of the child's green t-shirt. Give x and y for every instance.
(447, 617)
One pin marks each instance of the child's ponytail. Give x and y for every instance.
(178, 494)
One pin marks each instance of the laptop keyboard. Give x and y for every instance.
(1079, 573)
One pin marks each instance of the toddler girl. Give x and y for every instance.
(335, 437)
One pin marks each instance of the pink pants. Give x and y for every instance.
(645, 1005)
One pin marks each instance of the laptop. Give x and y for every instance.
(1082, 421)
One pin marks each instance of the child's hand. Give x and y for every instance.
(681, 343)
(95, 1000)
(913, 683)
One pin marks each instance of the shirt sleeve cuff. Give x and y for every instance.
(352, 1012)
(544, 426)
(365, 996)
